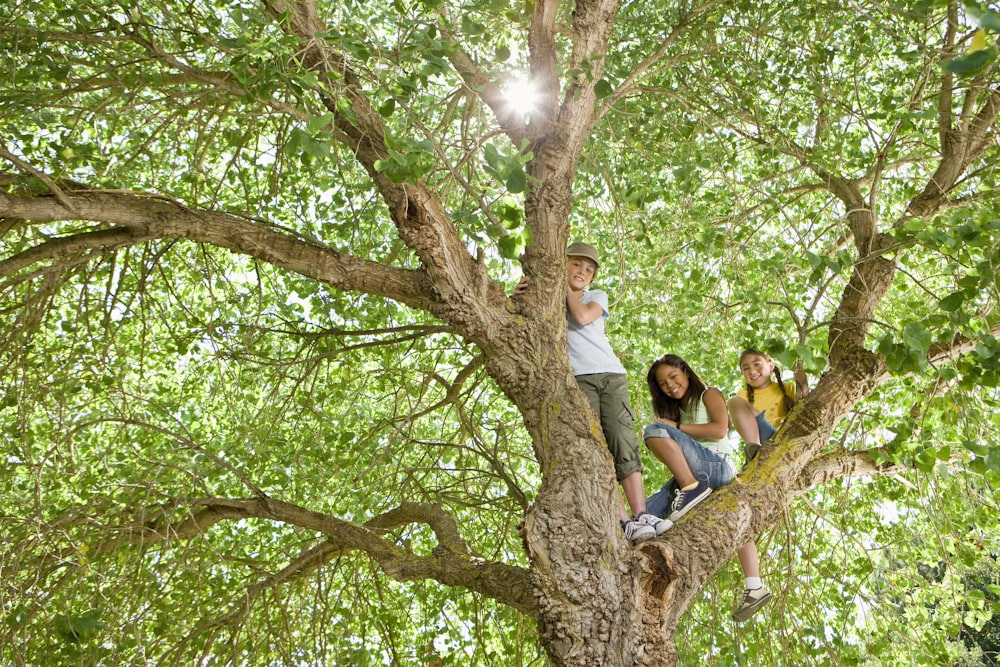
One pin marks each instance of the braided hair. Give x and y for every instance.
(786, 400)
(667, 407)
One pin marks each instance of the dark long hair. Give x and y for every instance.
(786, 400)
(666, 407)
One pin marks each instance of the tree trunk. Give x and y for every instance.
(586, 575)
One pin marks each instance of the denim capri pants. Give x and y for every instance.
(766, 430)
(705, 464)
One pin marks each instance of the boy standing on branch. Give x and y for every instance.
(602, 378)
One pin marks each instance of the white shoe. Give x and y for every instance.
(638, 532)
(656, 523)
(751, 603)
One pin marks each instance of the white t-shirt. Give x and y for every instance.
(589, 349)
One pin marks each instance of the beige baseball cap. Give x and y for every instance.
(580, 249)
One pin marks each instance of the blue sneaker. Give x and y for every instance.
(685, 501)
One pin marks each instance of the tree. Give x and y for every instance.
(981, 630)
(261, 359)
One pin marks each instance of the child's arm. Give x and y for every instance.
(801, 383)
(582, 313)
(718, 419)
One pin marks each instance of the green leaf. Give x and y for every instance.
(517, 182)
(925, 461)
(493, 158)
(952, 302)
(471, 27)
(993, 459)
(972, 63)
(511, 246)
(917, 337)
(77, 629)
(19, 615)
(984, 16)
(510, 213)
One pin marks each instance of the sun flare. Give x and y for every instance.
(521, 94)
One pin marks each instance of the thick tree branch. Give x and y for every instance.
(147, 218)
(843, 463)
(548, 203)
(451, 562)
(944, 112)
(544, 62)
(961, 145)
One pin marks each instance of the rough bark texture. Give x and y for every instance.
(598, 601)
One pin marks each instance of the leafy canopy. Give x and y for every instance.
(137, 380)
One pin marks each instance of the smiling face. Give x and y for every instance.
(672, 381)
(580, 271)
(757, 370)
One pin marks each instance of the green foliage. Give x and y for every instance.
(138, 380)
(981, 53)
(408, 160)
(982, 623)
(868, 588)
(255, 381)
(77, 629)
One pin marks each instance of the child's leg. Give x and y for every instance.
(688, 460)
(659, 504)
(691, 489)
(744, 418)
(669, 452)
(634, 493)
(696, 470)
(749, 560)
(755, 595)
(608, 396)
(632, 485)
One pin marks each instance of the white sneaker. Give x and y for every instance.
(637, 532)
(656, 523)
(751, 603)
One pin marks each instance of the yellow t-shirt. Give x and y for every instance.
(768, 400)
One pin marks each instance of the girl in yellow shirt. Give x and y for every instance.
(757, 411)
(760, 408)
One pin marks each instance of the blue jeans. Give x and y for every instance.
(764, 433)
(705, 464)
(766, 430)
